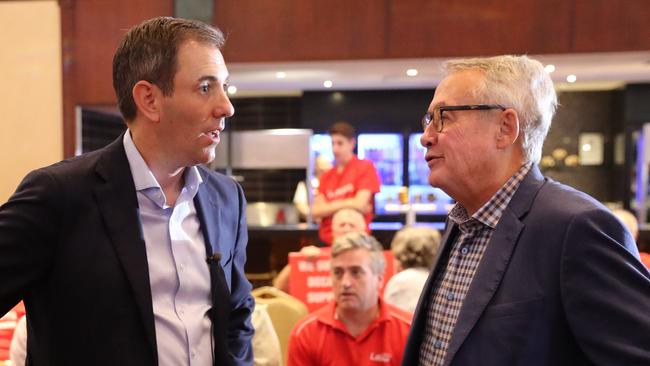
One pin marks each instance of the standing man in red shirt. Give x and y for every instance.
(352, 183)
(357, 328)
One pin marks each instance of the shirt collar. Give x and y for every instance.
(330, 317)
(143, 178)
(490, 213)
(352, 160)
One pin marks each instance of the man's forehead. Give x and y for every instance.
(202, 56)
(348, 218)
(356, 256)
(457, 87)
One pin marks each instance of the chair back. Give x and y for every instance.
(285, 311)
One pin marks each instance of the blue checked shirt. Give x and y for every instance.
(457, 270)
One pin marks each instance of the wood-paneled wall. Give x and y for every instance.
(90, 32)
(299, 30)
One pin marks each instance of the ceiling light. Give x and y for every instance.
(280, 74)
(571, 78)
(327, 83)
(232, 89)
(549, 68)
(411, 72)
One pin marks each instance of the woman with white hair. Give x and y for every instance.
(414, 249)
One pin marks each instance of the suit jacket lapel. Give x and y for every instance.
(210, 217)
(495, 260)
(118, 204)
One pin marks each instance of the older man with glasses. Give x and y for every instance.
(532, 272)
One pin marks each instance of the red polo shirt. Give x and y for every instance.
(7, 325)
(645, 258)
(358, 174)
(322, 339)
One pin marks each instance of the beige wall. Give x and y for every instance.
(31, 126)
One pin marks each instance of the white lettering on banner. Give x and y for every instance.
(380, 357)
(319, 297)
(319, 282)
(305, 266)
(323, 265)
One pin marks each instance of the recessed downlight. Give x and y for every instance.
(328, 83)
(412, 72)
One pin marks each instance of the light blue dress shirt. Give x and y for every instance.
(178, 273)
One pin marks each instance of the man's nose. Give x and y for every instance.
(223, 107)
(428, 137)
(346, 279)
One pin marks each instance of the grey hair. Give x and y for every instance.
(520, 83)
(351, 241)
(415, 247)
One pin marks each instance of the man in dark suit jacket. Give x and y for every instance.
(134, 254)
(532, 272)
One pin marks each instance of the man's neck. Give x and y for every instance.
(340, 165)
(168, 175)
(357, 321)
(491, 183)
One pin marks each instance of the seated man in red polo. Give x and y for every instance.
(351, 183)
(357, 328)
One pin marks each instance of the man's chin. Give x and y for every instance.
(346, 302)
(207, 156)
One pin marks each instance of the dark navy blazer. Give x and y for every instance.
(560, 283)
(71, 246)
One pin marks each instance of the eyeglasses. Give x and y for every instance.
(437, 120)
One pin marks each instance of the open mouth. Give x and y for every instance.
(431, 158)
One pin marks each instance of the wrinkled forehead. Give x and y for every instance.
(348, 217)
(352, 258)
(458, 87)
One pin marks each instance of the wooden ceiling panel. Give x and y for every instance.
(435, 28)
(299, 30)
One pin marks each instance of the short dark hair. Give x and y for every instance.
(342, 128)
(149, 51)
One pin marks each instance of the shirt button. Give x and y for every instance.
(438, 344)
(193, 353)
(450, 296)
(182, 267)
(181, 311)
(464, 250)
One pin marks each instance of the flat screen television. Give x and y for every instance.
(431, 200)
(386, 151)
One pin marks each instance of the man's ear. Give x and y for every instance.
(146, 97)
(508, 131)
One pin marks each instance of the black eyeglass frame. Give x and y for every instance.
(427, 118)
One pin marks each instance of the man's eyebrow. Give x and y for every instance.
(211, 78)
(441, 104)
(349, 267)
